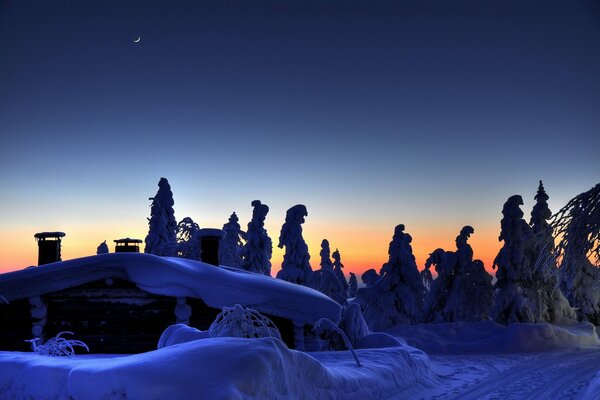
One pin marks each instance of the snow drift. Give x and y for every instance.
(223, 368)
(490, 337)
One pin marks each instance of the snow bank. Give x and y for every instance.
(490, 337)
(223, 368)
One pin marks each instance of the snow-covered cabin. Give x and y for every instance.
(122, 302)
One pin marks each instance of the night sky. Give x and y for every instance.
(371, 113)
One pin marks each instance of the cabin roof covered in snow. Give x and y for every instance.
(170, 276)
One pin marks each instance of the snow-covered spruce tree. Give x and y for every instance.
(325, 280)
(468, 294)
(369, 277)
(577, 252)
(230, 253)
(397, 297)
(102, 248)
(427, 278)
(257, 251)
(551, 305)
(296, 260)
(337, 269)
(326, 255)
(445, 263)
(161, 239)
(352, 285)
(514, 275)
(188, 245)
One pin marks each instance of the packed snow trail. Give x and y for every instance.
(538, 376)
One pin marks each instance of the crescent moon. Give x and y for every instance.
(137, 40)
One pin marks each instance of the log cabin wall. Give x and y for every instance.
(110, 316)
(15, 325)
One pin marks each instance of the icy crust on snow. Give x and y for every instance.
(177, 277)
(490, 337)
(224, 368)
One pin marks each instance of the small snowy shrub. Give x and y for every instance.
(241, 322)
(57, 346)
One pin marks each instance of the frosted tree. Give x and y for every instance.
(161, 239)
(369, 277)
(325, 279)
(513, 261)
(230, 253)
(258, 249)
(326, 255)
(397, 297)
(352, 285)
(188, 244)
(550, 304)
(463, 289)
(445, 263)
(102, 248)
(337, 268)
(578, 226)
(296, 260)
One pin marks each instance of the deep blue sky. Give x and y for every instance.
(428, 113)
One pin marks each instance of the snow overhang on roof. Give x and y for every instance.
(178, 277)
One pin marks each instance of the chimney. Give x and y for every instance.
(48, 246)
(127, 245)
(209, 244)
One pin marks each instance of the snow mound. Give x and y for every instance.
(215, 368)
(490, 337)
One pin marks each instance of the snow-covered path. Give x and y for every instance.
(550, 375)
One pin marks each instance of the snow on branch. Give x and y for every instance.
(241, 322)
(325, 327)
(57, 346)
(577, 226)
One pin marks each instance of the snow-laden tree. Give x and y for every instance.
(514, 262)
(102, 248)
(326, 255)
(550, 305)
(188, 244)
(577, 225)
(230, 253)
(463, 290)
(427, 278)
(352, 285)
(162, 234)
(445, 263)
(473, 296)
(296, 260)
(369, 277)
(337, 269)
(258, 249)
(325, 280)
(397, 297)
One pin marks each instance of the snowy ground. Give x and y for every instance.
(564, 374)
(567, 367)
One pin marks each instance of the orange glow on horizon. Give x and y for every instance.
(360, 248)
